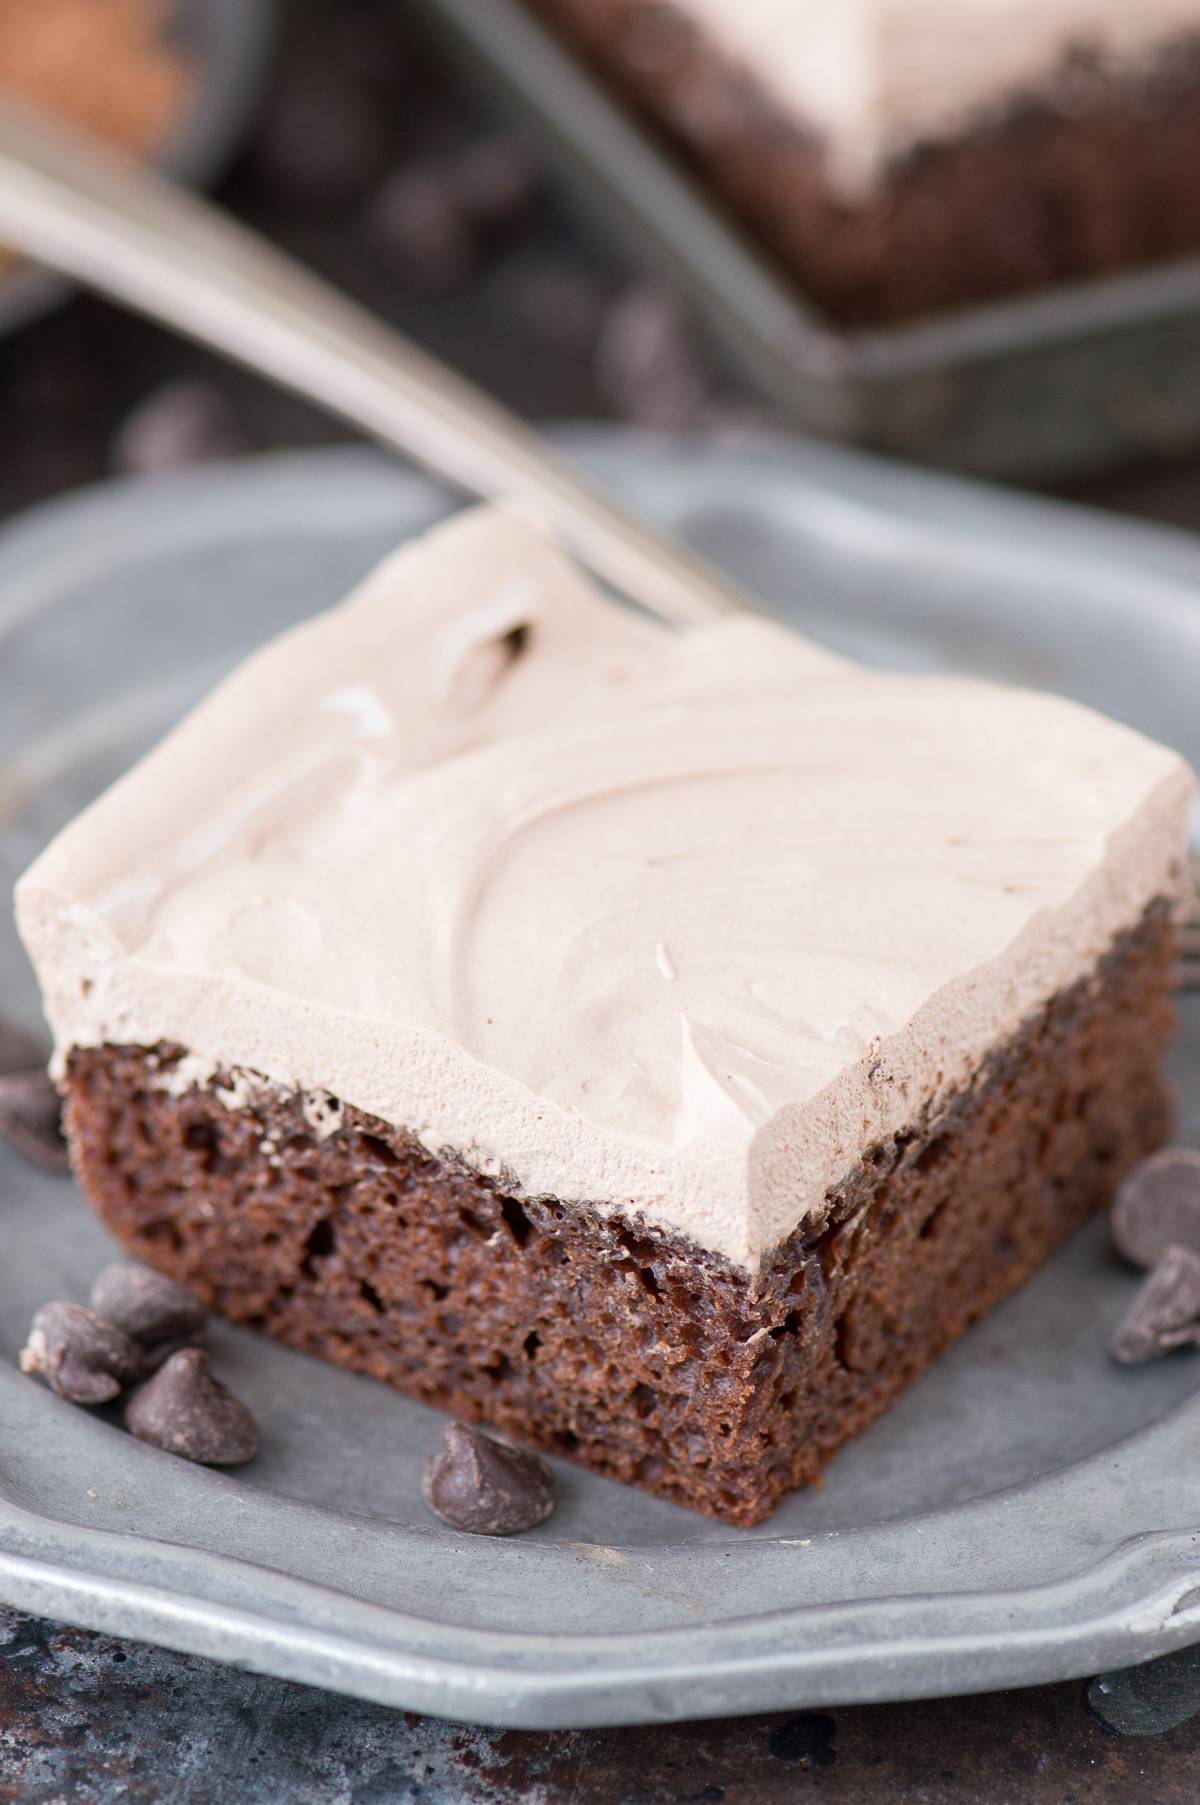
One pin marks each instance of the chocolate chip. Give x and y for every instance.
(364, 46)
(418, 220)
(31, 1118)
(188, 1412)
(179, 424)
(497, 182)
(86, 1359)
(155, 1312)
(322, 141)
(184, 1410)
(20, 1051)
(1158, 1206)
(645, 363)
(551, 298)
(486, 1486)
(1165, 1314)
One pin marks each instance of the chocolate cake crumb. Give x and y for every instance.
(85, 1359)
(185, 1410)
(485, 1486)
(1165, 1314)
(605, 1337)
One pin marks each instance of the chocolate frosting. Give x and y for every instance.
(677, 922)
(873, 78)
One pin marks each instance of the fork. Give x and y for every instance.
(134, 235)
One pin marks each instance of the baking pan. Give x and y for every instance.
(1028, 1511)
(228, 43)
(1048, 386)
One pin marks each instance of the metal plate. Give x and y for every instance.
(1028, 1511)
(1050, 384)
(228, 42)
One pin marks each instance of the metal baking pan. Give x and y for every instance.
(228, 43)
(1047, 386)
(1029, 1511)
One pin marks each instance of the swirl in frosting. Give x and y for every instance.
(676, 922)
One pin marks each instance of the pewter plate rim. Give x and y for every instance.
(1124, 1594)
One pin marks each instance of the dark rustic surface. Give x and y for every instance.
(84, 1718)
(516, 298)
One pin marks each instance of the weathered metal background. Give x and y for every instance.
(93, 1721)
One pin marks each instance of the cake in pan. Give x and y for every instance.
(659, 1044)
(901, 157)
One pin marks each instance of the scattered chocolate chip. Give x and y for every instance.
(31, 1118)
(155, 1312)
(322, 142)
(418, 220)
(735, 427)
(808, 1738)
(1151, 1699)
(20, 1051)
(179, 424)
(1158, 1206)
(184, 1410)
(1165, 1314)
(645, 364)
(497, 183)
(86, 1359)
(365, 47)
(551, 298)
(487, 1486)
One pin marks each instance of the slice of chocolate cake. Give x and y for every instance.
(660, 1044)
(907, 156)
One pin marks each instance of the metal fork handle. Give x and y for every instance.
(135, 236)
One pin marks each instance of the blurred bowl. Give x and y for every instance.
(228, 43)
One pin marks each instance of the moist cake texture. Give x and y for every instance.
(524, 1003)
(908, 155)
(599, 1335)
